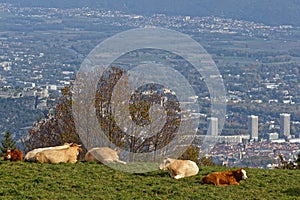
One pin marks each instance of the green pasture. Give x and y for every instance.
(23, 180)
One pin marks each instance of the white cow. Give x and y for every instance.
(31, 155)
(179, 168)
(59, 155)
(103, 155)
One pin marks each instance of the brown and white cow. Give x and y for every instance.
(231, 177)
(59, 155)
(179, 168)
(13, 155)
(103, 155)
(30, 156)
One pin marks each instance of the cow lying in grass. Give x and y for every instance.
(31, 155)
(59, 155)
(179, 168)
(13, 155)
(231, 177)
(103, 155)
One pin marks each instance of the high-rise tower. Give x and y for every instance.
(285, 125)
(213, 126)
(253, 127)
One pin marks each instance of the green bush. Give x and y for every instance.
(207, 161)
(7, 143)
(191, 153)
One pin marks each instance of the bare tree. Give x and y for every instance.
(112, 104)
(56, 128)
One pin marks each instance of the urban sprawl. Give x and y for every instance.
(41, 50)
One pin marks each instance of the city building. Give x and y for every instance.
(234, 139)
(253, 127)
(273, 136)
(213, 126)
(285, 120)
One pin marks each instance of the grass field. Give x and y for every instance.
(24, 180)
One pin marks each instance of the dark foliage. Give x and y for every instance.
(7, 143)
(192, 153)
(289, 165)
(57, 129)
(207, 161)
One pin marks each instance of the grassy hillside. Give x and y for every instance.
(93, 181)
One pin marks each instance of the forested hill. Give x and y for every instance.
(272, 12)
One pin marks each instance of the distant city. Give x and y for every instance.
(41, 50)
(231, 150)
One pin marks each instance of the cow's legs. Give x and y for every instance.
(122, 162)
(234, 183)
(178, 176)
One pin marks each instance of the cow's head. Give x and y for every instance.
(240, 174)
(244, 174)
(7, 155)
(76, 146)
(68, 144)
(118, 150)
(164, 165)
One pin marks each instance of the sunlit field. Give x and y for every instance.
(23, 180)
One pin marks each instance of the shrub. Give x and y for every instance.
(7, 143)
(207, 161)
(192, 153)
